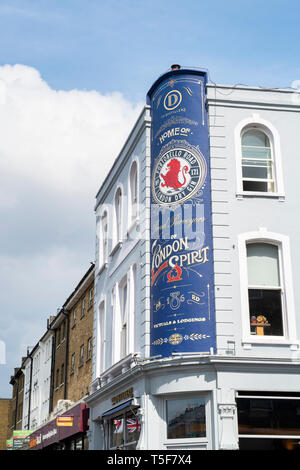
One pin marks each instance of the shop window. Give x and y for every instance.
(261, 416)
(257, 162)
(124, 431)
(264, 290)
(186, 418)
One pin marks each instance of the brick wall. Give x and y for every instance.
(5, 412)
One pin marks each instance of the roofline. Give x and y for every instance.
(120, 155)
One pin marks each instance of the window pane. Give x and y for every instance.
(257, 172)
(258, 186)
(255, 138)
(116, 431)
(265, 312)
(268, 416)
(263, 267)
(186, 418)
(133, 427)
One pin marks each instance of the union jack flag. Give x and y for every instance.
(133, 425)
(118, 425)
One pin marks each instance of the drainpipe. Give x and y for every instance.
(30, 387)
(17, 403)
(52, 371)
(67, 316)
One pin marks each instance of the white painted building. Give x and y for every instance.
(37, 380)
(246, 392)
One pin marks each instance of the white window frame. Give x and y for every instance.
(133, 219)
(286, 280)
(118, 219)
(101, 336)
(255, 122)
(130, 280)
(184, 442)
(103, 250)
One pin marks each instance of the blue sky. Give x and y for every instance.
(58, 137)
(124, 45)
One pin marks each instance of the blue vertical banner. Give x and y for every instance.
(182, 277)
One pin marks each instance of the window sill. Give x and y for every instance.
(272, 341)
(116, 248)
(134, 224)
(102, 268)
(249, 194)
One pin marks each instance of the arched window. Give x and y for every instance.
(103, 248)
(133, 192)
(118, 216)
(258, 171)
(267, 297)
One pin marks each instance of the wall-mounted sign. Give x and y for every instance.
(182, 279)
(64, 421)
(122, 396)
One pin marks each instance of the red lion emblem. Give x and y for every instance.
(171, 178)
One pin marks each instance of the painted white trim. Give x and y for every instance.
(256, 121)
(131, 222)
(282, 241)
(115, 230)
(102, 261)
(100, 362)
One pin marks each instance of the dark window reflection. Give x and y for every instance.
(186, 418)
(265, 312)
(268, 416)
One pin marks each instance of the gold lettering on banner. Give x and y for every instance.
(122, 396)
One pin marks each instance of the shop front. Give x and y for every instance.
(268, 420)
(66, 432)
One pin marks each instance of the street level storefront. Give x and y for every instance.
(198, 403)
(66, 432)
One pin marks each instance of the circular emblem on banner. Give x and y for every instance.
(175, 339)
(172, 100)
(179, 172)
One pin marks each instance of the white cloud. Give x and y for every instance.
(66, 140)
(56, 148)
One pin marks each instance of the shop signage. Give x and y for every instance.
(20, 438)
(9, 444)
(122, 396)
(64, 421)
(182, 281)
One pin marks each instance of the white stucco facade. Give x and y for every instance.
(37, 378)
(246, 365)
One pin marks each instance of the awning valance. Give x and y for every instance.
(116, 409)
